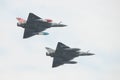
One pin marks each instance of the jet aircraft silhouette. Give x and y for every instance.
(64, 54)
(34, 25)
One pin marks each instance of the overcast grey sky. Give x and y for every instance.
(92, 25)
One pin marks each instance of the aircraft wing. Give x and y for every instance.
(32, 17)
(61, 56)
(28, 33)
(57, 61)
(61, 45)
(33, 24)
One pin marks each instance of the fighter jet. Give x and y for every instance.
(64, 54)
(34, 25)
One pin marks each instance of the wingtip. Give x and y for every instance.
(53, 66)
(60, 43)
(46, 48)
(30, 13)
(24, 37)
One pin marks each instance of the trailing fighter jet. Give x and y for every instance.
(64, 54)
(34, 25)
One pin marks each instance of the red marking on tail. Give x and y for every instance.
(21, 20)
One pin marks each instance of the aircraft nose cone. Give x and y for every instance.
(91, 54)
(63, 25)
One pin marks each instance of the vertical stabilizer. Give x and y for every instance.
(20, 20)
(50, 50)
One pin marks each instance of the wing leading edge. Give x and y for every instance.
(28, 33)
(59, 55)
(32, 17)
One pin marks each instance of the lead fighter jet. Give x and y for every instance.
(34, 25)
(64, 54)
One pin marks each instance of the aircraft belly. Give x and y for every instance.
(38, 27)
